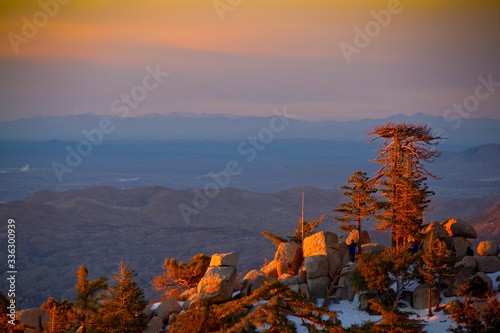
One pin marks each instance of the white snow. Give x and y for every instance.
(155, 306)
(349, 314)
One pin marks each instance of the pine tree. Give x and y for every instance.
(400, 267)
(373, 270)
(437, 262)
(272, 305)
(379, 271)
(402, 175)
(394, 320)
(474, 288)
(304, 229)
(59, 313)
(122, 304)
(86, 302)
(361, 206)
(275, 239)
(474, 317)
(179, 277)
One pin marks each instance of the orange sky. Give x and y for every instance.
(261, 55)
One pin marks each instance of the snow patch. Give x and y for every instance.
(155, 306)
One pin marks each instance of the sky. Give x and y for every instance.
(322, 59)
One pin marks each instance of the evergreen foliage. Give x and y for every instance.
(378, 272)
(267, 309)
(179, 277)
(394, 320)
(401, 268)
(86, 302)
(59, 315)
(275, 239)
(437, 262)
(373, 272)
(473, 317)
(361, 206)
(122, 304)
(473, 288)
(402, 177)
(304, 229)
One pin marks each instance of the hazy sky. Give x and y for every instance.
(245, 57)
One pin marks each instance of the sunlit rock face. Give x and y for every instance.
(487, 248)
(459, 228)
(218, 283)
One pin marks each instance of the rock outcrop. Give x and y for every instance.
(487, 248)
(224, 259)
(316, 266)
(439, 231)
(459, 228)
(488, 264)
(322, 258)
(486, 279)
(354, 237)
(373, 248)
(468, 264)
(460, 245)
(288, 256)
(218, 283)
(32, 318)
(155, 325)
(167, 308)
(271, 269)
(344, 289)
(421, 297)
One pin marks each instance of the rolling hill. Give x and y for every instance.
(56, 232)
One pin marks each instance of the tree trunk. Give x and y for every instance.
(84, 328)
(430, 301)
(359, 235)
(398, 296)
(438, 292)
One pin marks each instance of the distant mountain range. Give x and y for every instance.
(101, 225)
(180, 126)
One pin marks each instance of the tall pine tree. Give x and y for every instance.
(405, 149)
(122, 304)
(361, 206)
(437, 262)
(86, 302)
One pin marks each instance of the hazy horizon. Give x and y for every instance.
(342, 60)
(229, 115)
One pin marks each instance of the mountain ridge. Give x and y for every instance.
(102, 225)
(180, 126)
